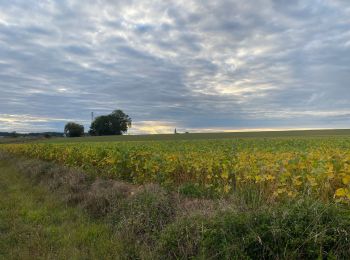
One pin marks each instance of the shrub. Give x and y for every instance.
(181, 239)
(302, 229)
(104, 195)
(145, 213)
(36, 170)
(194, 191)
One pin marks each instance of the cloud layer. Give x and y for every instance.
(187, 64)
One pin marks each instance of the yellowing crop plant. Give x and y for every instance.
(277, 168)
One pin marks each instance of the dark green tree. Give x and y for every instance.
(115, 123)
(73, 130)
(14, 134)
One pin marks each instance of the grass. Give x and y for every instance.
(35, 224)
(204, 136)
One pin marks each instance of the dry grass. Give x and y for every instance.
(100, 196)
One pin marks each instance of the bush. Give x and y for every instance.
(36, 170)
(194, 191)
(104, 195)
(181, 239)
(145, 213)
(303, 229)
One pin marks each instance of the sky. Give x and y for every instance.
(198, 66)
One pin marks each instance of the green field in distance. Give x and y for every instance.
(186, 136)
(201, 136)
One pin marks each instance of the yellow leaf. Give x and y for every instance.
(330, 175)
(341, 192)
(291, 194)
(312, 181)
(296, 181)
(224, 175)
(269, 177)
(346, 179)
(281, 190)
(257, 178)
(227, 188)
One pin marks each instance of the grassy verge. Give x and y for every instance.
(112, 219)
(35, 224)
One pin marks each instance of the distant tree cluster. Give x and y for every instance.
(116, 123)
(38, 135)
(73, 130)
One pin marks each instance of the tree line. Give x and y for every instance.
(14, 134)
(116, 123)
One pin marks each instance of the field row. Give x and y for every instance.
(275, 168)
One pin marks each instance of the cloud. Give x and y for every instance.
(228, 64)
(24, 122)
(152, 127)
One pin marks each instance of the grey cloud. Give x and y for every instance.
(196, 64)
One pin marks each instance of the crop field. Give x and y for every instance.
(275, 195)
(275, 168)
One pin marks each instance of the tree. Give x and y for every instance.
(73, 130)
(14, 134)
(115, 123)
